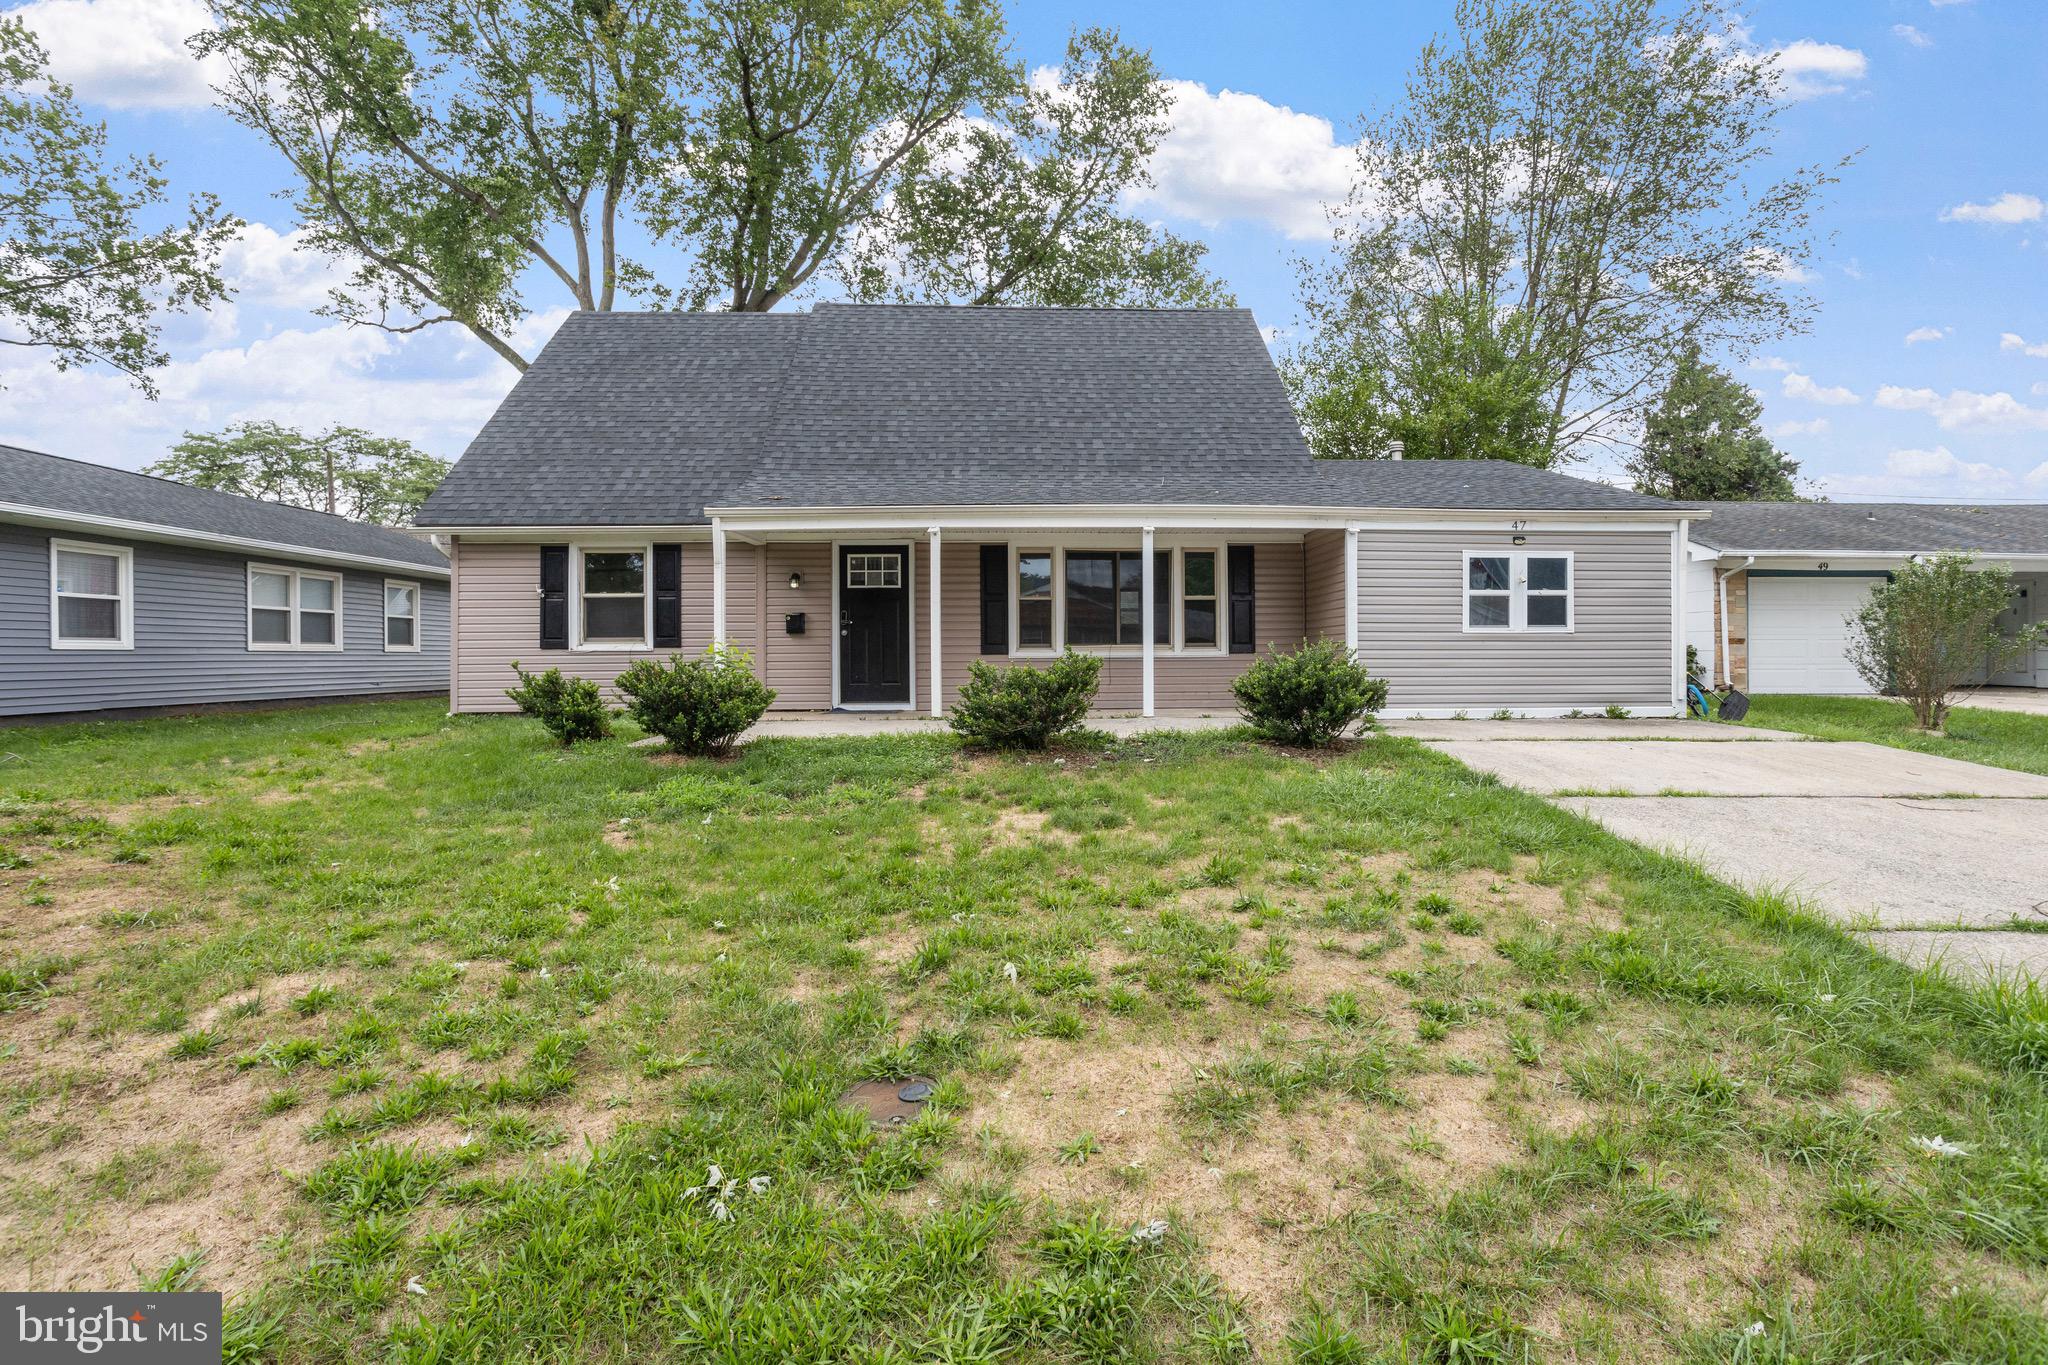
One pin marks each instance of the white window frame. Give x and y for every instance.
(293, 645)
(1177, 644)
(124, 557)
(1518, 591)
(418, 610)
(871, 563)
(576, 555)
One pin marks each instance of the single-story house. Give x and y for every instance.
(1774, 583)
(869, 498)
(122, 591)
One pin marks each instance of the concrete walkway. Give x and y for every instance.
(823, 724)
(1932, 857)
(2031, 700)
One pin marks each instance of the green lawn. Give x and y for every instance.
(2003, 739)
(421, 1038)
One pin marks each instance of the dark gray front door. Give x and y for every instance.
(874, 624)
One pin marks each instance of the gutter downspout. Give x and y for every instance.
(1727, 662)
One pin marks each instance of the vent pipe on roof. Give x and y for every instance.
(1393, 450)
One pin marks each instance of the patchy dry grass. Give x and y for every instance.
(1241, 1054)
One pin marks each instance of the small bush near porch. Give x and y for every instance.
(422, 1037)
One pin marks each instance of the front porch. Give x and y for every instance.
(883, 614)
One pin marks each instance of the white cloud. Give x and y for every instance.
(1776, 364)
(1920, 334)
(1908, 34)
(1802, 388)
(1934, 475)
(1776, 265)
(1234, 157)
(1808, 69)
(1944, 4)
(1964, 409)
(2013, 341)
(435, 388)
(2003, 211)
(1819, 426)
(129, 54)
(276, 269)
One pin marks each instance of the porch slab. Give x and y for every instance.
(839, 724)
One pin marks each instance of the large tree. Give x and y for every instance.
(454, 151)
(1021, 204)
(343, 470)
(1461, 387)
(80, 276)
(1704, 441)
(1601, 170)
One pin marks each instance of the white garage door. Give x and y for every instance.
(1797, 633)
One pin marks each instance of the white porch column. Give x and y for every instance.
(717, 582)
(1147, 627)
(938, 693)
(1351, 586)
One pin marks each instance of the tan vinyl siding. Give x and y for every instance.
(1411, 628)
(1323, 586)
(498, 620)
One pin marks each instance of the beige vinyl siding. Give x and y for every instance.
(1323, 585)
(1411, 626)
(498, 620)
(1181, 682)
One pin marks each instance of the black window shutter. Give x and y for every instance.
(995, 599)
(554, 597)
(668, 597)
(1244, 622)
(1162, 597)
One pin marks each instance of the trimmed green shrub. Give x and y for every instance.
(1023, 707)
(571, 709)
(701, 705)
(1308, 697)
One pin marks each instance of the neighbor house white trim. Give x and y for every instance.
(294, 575)
(417, 604)
(57, 519)
(123, 597)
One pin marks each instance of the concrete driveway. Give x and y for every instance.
(1931, 856)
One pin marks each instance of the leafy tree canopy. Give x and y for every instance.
(80, 277)
(343, 470)
(454, 150)
(1598, 170)
(1704, 441)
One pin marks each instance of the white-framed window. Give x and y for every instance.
(92, 595)
(294, 608)
(614, 606)
(1518, 590)
(401, 615)
(1091, 598)
(883, 569)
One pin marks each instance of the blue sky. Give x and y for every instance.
(1926, 373)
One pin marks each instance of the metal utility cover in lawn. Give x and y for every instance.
(890, 1104)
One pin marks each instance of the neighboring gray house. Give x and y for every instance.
(869, 498)
(119, 590)
(1782, 579)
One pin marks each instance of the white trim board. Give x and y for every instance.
(47, 518)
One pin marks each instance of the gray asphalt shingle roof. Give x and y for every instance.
(57, 485)
(649, 418)
(1852, 527)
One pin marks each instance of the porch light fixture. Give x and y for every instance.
(796, 580)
